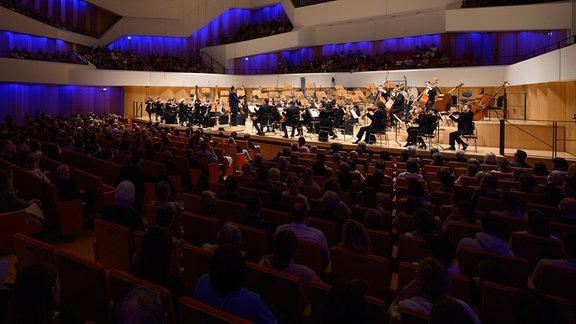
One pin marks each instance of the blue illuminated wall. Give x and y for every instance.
(9, 40)
(18, 99)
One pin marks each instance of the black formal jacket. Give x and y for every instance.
(464, 122)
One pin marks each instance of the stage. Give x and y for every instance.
(526, 135)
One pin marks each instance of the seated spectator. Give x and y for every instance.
(299, 214)
(560, 164)
(527, 183)
(163, 192)
(333, 209)
(567, 209)
(122, 212)
(155, 259)
(489, 239)
(169, 216)
(282, 163)
(207, 203)
(142, 304)
(411, 172)
(416, 190)
(438, 159)
(258, 162)
(540, 169)
(520, 160)
(488, 188)
(443, 250)
(302, 145)
(490, 271)
(373, 219)
(10, 202)
(35, 296)
(274, 200)
(446, 181)
(463, 213)
(511, 204)
(430, 285)
(307, 179)
(319, 167)
(247, 170)
(344, 177)
(262, 180)
(460, 156)
(32, 165)
(274, 176)
(231, 194)
(292, 192)
(202, 184)
(222, 287)
(538, 224)
(568, 244)
(448, 310)
(355, 237)
(490, 159)
(252, 217)
(228, 234)
(281, 259)
(551, 192)
(424, 224)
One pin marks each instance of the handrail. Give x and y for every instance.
(215, 66)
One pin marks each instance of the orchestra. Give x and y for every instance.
(389, 104)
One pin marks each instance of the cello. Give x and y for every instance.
(445, 100)
(484, 101)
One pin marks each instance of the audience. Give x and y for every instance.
(142, 304)
(490, 239)
(122, 213)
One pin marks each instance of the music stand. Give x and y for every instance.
(398, 121)
(438, 132)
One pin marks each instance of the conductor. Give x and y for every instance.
(465, 127)
(378, 122)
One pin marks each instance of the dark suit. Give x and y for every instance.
(292, 119)
(378, 123)
(464, 127)
(233, 101)
(264, 114)
(426, 125)
(431, 97)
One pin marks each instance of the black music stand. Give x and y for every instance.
(396, 125)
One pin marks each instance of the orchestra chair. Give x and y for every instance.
(319, 291)
(194, 311)
(473, 136)
(121, 283)
(497, 306)
(381, 242)
(431, 135)
(276, 288)
(517, 267)
(254, 242)
(195, 262)
(412, 249)
(312, 255)
(84, 288)
(113, 246)
(30, 251)
(533, 248)
(466, 96)
(557, 281)
(347, 264)
(199, 229)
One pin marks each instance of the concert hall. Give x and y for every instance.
(371, 161)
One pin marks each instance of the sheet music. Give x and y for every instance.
(354, 114)
(314, 112)
(252, 109)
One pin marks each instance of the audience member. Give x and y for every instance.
(355, 237)
(122, 212)
(228, 234)
(142, 304)
(346, 303)
(9, 201)
(490, 239)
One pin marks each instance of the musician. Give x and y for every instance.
(150, 107)
(292, 119)
(264, 114)
(327, 119)
(464, 127)
(378, 122)
(182, 114)
(198, 113)
(399, 99)
(159, 108)
(350, 121)
(432, 93)
(233, 101)
(426, 125)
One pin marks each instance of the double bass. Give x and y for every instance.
(445, 100)
(484, 101)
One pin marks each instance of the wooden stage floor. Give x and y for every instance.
(395, 140)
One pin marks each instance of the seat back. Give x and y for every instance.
(558, 281)
(10, 224)
(311, 255)
(374, 269)
(196, 262)
(319, 291)
(114, 247)
(517, 267)
(381, 242)
(533, 248)
(459, 284)
(84, 289)
(199, 229)
(328, 228)
(412, 316)
(497, 306)
(412, 249)
(175, 260)
(30, 251)
(276, 288)
(194, 311)
(121, 283)
(254, 242)
(459, 230)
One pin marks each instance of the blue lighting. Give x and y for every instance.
(246, 59)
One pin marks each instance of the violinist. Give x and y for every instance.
(150, 107)
(351, 118)
(327, 119)
(465, 127)
(399, 99)
(378, 122)
(264, 114)
(426, 125)
(159, 108)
